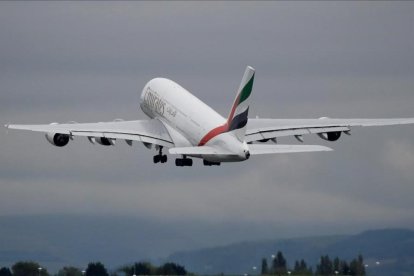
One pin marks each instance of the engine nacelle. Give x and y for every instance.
(147, 145)
(104, 141)
(330, 136)
(58, 139)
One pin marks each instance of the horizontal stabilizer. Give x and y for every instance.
(256, 149)
(203, 150)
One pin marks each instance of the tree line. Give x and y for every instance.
(278, 266)
(325, 267)
(94, 269)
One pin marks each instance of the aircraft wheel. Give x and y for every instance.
(178, 162)
(184, 162)
(163, 158)
(156, 159)
(208, 163)
(188, 162)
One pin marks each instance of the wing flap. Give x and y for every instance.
(271, 133)
(133, 137)
(256, 149)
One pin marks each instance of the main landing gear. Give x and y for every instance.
(160, 158)
(183, 162)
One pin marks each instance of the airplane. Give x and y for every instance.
(187, 127)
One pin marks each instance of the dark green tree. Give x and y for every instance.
(361, 265)
(28, 269)
(357, 267)
(144, 268)
(141, 268)
(296, 267)
(171, 269)
(279, 264)
(265, 267)
(325, 266)
(69, 271)
(344, 268)
(5, 271)
(96, 269)
(337, 265)
(301, 268)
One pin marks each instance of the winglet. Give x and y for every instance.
(7, 127)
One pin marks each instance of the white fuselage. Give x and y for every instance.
(188, 119)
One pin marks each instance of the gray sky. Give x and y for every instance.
(88, 62)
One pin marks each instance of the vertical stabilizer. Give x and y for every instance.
(237, 119)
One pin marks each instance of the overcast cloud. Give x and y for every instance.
(64, 61)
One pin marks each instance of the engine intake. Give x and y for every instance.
(58, 139)
(330, 136)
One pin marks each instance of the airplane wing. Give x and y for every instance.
(256, 149)
(148, 131)
(262, 129)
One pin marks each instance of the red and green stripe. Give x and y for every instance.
(234, 121)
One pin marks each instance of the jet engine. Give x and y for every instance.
(330, 136)
(58, 139)
(104, 141)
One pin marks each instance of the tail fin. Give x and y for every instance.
(237, 119)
